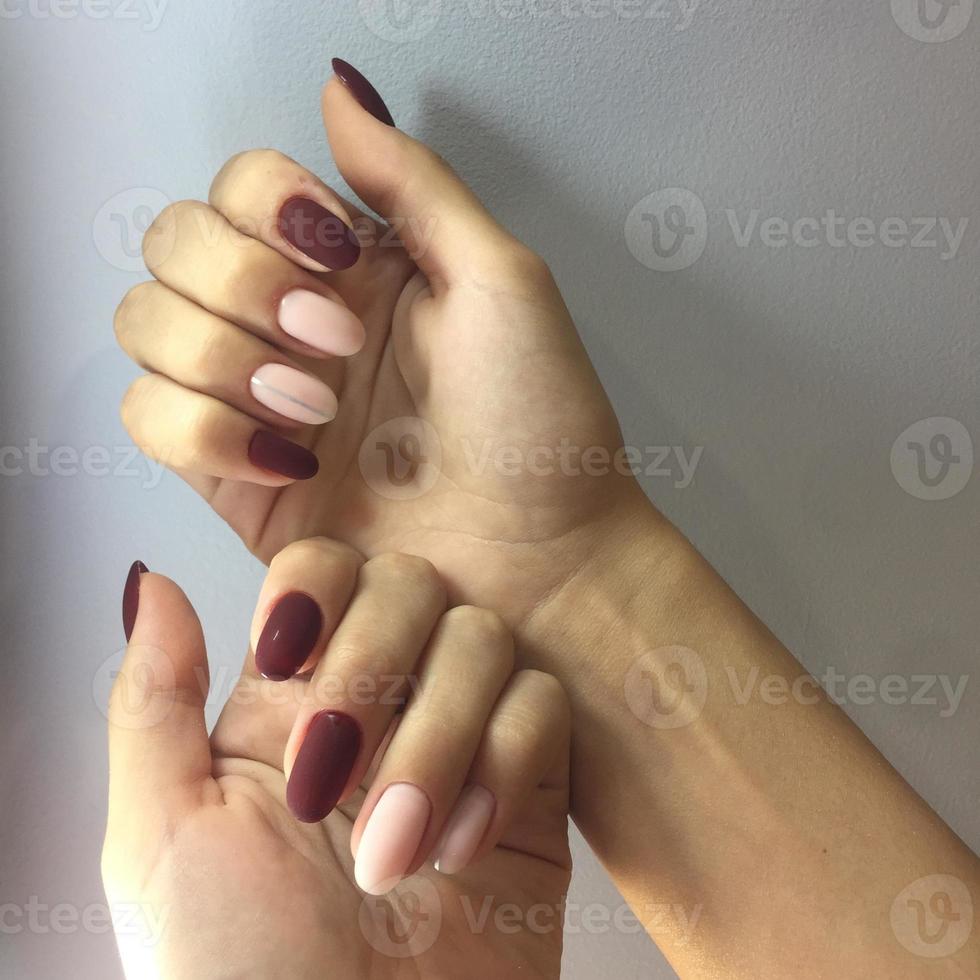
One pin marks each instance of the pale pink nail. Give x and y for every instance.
(392, 836)
(467, 824)
(320, 322)
(293, 393)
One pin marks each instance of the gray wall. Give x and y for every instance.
(795, 367)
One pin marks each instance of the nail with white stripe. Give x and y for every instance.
(294, 394)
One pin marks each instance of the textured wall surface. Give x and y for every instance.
(819, 163)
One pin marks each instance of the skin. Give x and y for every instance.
(232, 885)
(778, 827)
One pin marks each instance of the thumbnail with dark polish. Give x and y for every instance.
(323, 765)
(362, 90)
(269, 451)
(288, 637)
(318, 233)
(131, 597)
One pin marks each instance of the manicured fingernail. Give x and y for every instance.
(391, 838)
(321, 323)
(318, 233)
(131, 597)
(465, 829)
(323, 765)
(269, 451)
(294, 393)
(288, 637)
(362, 90)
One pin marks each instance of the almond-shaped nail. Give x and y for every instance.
(465, 829)
(323, 765)
(269, 451)
(131, 597)
(294, 394)
(321, 323)
(362, 90)
(288, 637)
(391, 838)
(318, 233)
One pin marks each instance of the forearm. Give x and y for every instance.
(773, 830)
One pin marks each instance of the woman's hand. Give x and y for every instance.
(505, 469)
(396, 734)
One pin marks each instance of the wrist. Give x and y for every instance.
(629, 566)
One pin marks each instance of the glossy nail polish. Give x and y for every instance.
(465, 829)
(288, 637)
(362, 90)
(321, 323)
(131, 597)
(318, 233)
(391, 838)
(293, 394)
(323, 765)
(269, 451)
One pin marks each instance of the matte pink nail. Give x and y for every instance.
(321, 323)
(465, 829)
(294, 394)
(391, 838)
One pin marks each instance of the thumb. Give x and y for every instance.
(158, 738)
(442, 224)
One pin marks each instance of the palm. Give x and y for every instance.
(295, 894)
(487, 369)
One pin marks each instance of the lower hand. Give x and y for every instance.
(245, 850)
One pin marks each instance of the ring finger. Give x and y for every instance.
(168, 334)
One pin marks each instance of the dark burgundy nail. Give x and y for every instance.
(362, 90)
(131, 597)
(288, 637)
(318, 233)
(269, 451)
(323, 765)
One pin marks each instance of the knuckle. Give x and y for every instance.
(199, 435)
(319, 550)
(130, 309)
(263, 161)
(201, 359)
(547, 698)
(160, 238)
(483, 627)
(416, 572)
(131, 406)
